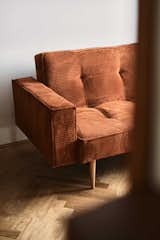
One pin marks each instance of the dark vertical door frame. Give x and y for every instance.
(142, 156)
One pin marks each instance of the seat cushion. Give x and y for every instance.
(92, 124)
(120, 110)
(100, 136)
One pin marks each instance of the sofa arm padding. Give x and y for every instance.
(47, 119)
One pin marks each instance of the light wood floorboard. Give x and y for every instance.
(36, 200)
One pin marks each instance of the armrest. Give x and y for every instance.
(47, 119)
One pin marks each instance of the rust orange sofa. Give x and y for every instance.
(81, 106)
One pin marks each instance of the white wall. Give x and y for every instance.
(31, 26)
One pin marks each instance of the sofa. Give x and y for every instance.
(81, 106)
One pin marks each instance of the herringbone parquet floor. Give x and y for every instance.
(36, 200)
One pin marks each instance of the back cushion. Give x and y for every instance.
(90, 76)
(61, 71)
(128, 59)
(100, 75)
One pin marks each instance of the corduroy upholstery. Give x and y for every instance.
(102, 132)
(65, 69)
(47, 119)
(81, 106)
(120, 110)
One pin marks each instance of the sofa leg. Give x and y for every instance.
(92, 171)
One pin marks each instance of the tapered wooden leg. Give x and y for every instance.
(92, 171)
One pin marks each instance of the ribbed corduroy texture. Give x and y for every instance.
(90, 76)
(87, 110)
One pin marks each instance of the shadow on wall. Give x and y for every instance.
(8, 130)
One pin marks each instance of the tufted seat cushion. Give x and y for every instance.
(103, 133)
(91, 124)
(120, 110)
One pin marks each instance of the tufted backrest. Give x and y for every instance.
(90, 76)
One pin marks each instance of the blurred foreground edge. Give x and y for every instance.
(135, 216)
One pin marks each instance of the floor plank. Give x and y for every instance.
(13, 234)
(36, 200)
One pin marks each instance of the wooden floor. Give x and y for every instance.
(36, 200)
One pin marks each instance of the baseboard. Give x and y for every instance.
(6, 145)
